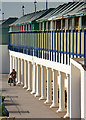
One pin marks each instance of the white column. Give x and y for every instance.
(34, 79)
(16, 67)
(61, 92)
(13, 62)
(19, 81)
(25, 75)
(73, 23)
(29, 76)
(51, 25)
(38, 82)
(10, 63)
(42, 25)
(55, 90)
(68, 97)
(22, 74)
(43, 86)
(80, 22)
(48, 86)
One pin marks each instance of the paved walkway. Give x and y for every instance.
(21, 104)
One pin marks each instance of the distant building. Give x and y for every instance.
(4, 29)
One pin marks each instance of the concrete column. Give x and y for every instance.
(16, 67)
(68, 96)
(73, 23)
(19, 78)
(10, 63)
(25, 74)
(48, 86)
(66, 24)
(51, 25)
(80, 22)
(61, 23)
(34, 79)
(13, 62)
(43, 86)
(42, 25)
(55, 90)
(38, 91)
(47, 25)
(22, 74)
(29, 76)
(61, 92)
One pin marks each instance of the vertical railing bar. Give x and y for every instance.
(52, 45)
(69, 47)
(80, 44)
(66, 47)
(60, 46)
(63, 46)
(57, 47)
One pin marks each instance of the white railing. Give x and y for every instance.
(43, 78)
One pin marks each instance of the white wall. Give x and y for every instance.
(4, 59)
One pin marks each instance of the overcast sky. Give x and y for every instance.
(14, 9)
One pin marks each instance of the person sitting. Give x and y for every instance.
(13, 74)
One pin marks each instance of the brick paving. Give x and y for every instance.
(21, 104)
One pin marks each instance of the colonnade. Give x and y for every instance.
(46, 83)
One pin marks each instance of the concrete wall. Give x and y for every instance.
(77, 90)
(4, 61)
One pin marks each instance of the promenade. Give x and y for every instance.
(21, 104)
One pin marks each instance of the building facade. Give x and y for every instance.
(47, 49)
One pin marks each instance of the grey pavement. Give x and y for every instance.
(21, 104)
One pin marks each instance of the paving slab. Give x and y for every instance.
(21, 104)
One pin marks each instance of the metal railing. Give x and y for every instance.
(58, 46)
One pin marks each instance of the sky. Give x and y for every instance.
(14, 9)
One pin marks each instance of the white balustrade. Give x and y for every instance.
(29, 76)
(43, 85)
(38, 82)
(22, 72)
(19, 76)
(48, 87)
(34, 79)
(25, 74)
(61, 92)
(55, 89)
(68, 96)
(10, 63)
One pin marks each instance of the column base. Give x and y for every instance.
(18, 83)
(47, 102)
(28, 89)
(61, 110)
(33, 92)
(67, 115)
(22, 83)
(37, 95)
(25, 87)
(53, 106)
(42, 98)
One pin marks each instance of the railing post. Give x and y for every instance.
(34, 79)
(55, 88)
(68, 96)
(38, 82)
(48, 87)
(19, 78)
(10, 63)
(16, 66)
(85, 48)
(43, 86)
(29, 76)
(25, 74)
(22, 75)
(61, 92)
